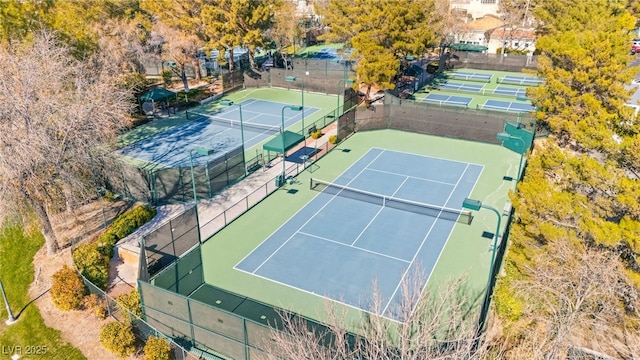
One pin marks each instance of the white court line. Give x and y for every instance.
(354, 247)
(420, 248)
(409, 176)
(427, 156)
(283, 306)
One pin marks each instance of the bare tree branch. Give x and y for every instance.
(61, 117)
(436, 326)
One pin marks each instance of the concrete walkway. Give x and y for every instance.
(127, 250)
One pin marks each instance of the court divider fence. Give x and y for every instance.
(160, 186)
(440, 120)
(321, 76)
(496, 62)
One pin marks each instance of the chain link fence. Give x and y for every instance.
(174, 185)
(323, 76)
(221, 322)
(439, 120)
(496, 62)
(142, 328)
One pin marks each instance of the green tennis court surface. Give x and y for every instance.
(480, 89)
(325, 104)
(221, 132)
(234, 260)
(384, 221)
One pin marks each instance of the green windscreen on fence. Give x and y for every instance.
(171, 241)
(183, 276)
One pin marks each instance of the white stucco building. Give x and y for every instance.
(475, 9)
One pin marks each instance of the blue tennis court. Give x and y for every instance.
(509, 91)
(442, 99)
(461, 75)
(520, 80)
(461, 86)
(511, 106)
(332, 53)
(218, 131)
(370, 228)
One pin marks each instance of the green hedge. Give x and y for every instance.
(93, 259)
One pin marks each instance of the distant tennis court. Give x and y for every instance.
(507, 106)
(470, 76)
(519, 80)
(509, 91)
(448, 99)
(372, 225)
(461, 86)
(219, 132)
(331, 53)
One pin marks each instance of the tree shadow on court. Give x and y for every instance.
(432, 321)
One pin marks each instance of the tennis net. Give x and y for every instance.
(235, 124)
(461, 216)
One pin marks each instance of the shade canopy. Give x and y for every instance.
(291, 139)
(158, 94)
(469, 47)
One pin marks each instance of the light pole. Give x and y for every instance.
(476, 205)
(292, 79)
(294, 108)
(345, 81)
(230, 103)
(11, 319)
(516, 144)
(202, 152)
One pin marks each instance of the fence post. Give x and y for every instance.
(246, 339)
(226, 167)
(193, 335)
(181, 185)
(152, 185)
(206, 173)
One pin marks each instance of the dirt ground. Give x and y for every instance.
(79, 328)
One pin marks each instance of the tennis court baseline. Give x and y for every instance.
(511, 106)
(448, 99)
(219, 132)
(339, 246)
(461, 75)
(519, 80)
